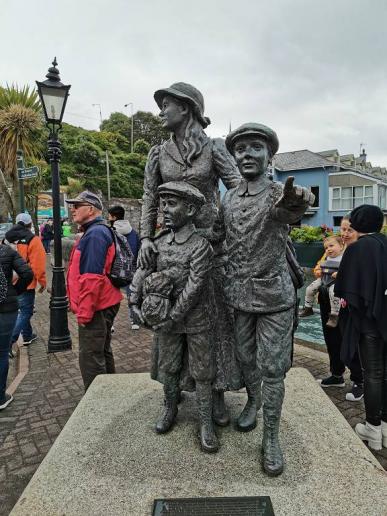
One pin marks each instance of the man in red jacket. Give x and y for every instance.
(93, 298)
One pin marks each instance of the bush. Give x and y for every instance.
(307, 234)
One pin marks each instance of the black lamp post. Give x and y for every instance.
(53, 95)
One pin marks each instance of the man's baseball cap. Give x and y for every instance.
(87, 197)
(24, 218)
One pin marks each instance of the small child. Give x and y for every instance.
(334, 249)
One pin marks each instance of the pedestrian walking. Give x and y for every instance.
(362, 284)
(10, 262)
(31, 249)
(93, 298)
(48, 235)
(117, 220)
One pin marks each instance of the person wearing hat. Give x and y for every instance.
(192, 157)
(362, 284)
(31, 249)
(254, 220)
(185, 257)
(92, 297)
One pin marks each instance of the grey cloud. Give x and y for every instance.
(314, 71)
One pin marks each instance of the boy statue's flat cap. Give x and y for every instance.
(183, 190)
(252, 129)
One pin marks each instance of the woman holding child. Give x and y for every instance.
(333, 332)
(362, 284)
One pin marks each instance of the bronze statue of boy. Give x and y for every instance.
(180, 271)
(254, 220)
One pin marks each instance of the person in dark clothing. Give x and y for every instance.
(10, 261)
(48, 235)
(362, 284)
(31, 249)
(122, 226)
(333, 336)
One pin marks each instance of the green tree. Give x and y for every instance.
(117, 123)
(146, 126)
(20, 121)
(141, 147)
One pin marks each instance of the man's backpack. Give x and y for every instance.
(121, 273)
(123, 267)
(3, 285)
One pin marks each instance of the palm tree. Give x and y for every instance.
(20, 119)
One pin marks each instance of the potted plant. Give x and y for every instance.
(308, 243)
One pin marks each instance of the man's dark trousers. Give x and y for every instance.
(95, 352)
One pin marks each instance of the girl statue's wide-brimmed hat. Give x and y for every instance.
(253, 129)
(186, 93)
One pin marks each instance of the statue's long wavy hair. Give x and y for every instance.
(195, 137)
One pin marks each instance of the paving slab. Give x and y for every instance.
(109, 460)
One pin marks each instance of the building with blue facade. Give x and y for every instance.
(340, 183)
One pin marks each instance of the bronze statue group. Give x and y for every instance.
(214, 284)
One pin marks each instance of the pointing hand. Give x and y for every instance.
(294, 195)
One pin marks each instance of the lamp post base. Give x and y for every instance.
(59, 339)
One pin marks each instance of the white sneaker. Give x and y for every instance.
(370, 433)
(384, 434)
(135, 327)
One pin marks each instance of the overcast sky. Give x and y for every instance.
(314, 71)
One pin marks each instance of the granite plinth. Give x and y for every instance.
(109, 460)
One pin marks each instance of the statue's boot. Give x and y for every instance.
(168, 416)
(220, 414)
(208, 439)
(273, 395)
(248, 417)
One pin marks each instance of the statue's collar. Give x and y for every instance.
(253, 187)
(182, 234)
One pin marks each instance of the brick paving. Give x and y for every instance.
(52, 388)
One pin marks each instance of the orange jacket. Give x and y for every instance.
(35, 255)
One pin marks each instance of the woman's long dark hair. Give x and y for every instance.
(195, 137)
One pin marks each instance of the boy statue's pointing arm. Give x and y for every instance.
(293, 203)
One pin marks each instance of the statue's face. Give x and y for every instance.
(252, 156)
(176, 211)
(173, 113)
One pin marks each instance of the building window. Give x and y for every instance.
(382, 197)
(349, 197)
(337, 221)
(316, 192)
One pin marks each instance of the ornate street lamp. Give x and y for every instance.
(53, 96)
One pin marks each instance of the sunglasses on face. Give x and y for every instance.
(76, 206)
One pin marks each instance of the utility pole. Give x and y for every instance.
(20, 166)
(131, 126)
(106, 157)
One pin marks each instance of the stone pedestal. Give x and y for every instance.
(109, 460)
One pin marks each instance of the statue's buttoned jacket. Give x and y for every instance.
(256, 231)
(212, 164)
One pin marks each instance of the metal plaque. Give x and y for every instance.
(26, 173)
(232, 506)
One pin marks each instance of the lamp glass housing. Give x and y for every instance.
(53, 100)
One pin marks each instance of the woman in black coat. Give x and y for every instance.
(362, 284)
(10, 261)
